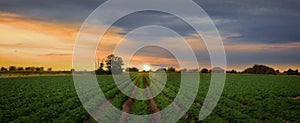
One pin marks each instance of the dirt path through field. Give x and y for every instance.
(98, 111)
(128, 104)
(103, 105)
(155, 118)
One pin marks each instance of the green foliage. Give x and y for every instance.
(38, 99)
(245, 98)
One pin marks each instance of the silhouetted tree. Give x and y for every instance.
(49, 69)
(100, 70)
(277, 72)
(39, 69)
(161, 70)
(28, 69)
(204, 70)
(132, 69)
(12, 68)
(171, 69)
(20, 69)
(232, 71)
(114, 64)
(101, 67)
(3, 69)
(291, 72)
(260, 69)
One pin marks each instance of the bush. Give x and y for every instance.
(260, 69)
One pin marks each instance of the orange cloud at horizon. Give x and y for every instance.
(29, 42)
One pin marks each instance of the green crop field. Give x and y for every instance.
(245, 98)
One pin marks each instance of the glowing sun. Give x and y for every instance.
(146, 67)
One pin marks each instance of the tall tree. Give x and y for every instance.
(114, 64)
(12, 68)
(171, 69)
(100, 69)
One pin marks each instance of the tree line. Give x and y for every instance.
(25, 69)
(257, 69)
(263, 69)
(114, 63)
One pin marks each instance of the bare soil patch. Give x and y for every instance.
(126, 107)
(155, 118)
(98, 111)
(295, 97)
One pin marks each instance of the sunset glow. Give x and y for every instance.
(146, 67)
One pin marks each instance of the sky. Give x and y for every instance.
(43, 33)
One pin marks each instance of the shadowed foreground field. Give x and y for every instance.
(246, 98)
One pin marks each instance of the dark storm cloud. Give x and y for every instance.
(155, 51)
(144, 18)
(263, 21)
(288, 56)
(267, 21)
(51, 10)
(78, 10)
